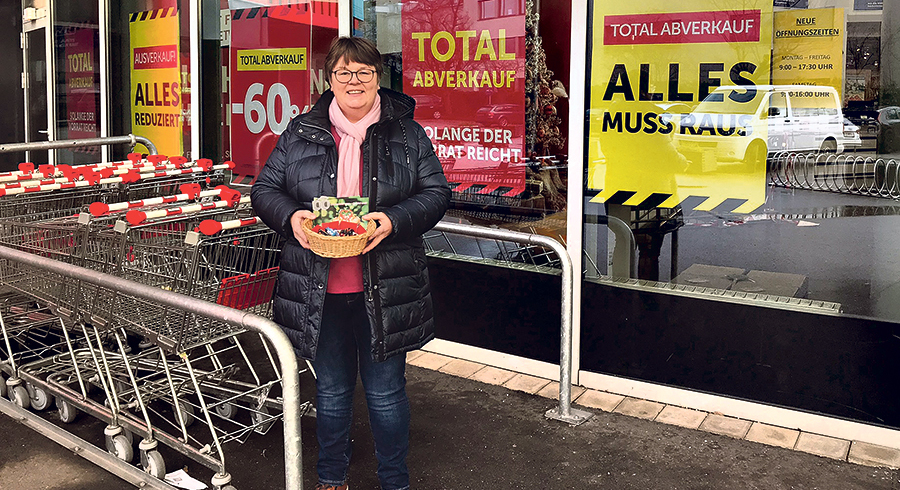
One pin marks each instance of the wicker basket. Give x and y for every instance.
(334, 247)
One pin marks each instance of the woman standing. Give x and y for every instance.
(357, 314)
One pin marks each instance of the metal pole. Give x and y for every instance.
(52, 145)
(564, 411)
(273, 333)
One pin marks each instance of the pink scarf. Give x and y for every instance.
(349, 154)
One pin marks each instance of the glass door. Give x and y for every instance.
(76, 42)
(37, 127)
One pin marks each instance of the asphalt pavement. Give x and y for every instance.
(470, 435)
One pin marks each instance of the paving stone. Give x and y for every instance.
(600, 400)
(430, 360)
(526, 383)
(461, 368)
(682, 417)
(635, 407)
(552, 391)
(413, 354)
(492, 375)
(726, 426)
(874, 455)
(772, 435)
(825, 446)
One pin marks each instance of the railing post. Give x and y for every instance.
(564, 411)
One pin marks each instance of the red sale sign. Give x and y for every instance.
(468, 79)
(276, 71)
(82, 87)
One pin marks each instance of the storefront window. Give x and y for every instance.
(752, 151)
(733, 157)
(489, 98)
(150, 84)
(273, 57)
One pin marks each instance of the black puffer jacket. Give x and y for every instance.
(407, 185)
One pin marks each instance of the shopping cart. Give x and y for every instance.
(134, 179)
(30, 332)
(186, 363)
(198, 371)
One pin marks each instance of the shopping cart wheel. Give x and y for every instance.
(19, 395)
(187, 411)
(262, 422)
(119, 447)
(129, 435)
(153, 463)
(222, 481)
(226, 410)
(40, 398)
(3, 389)
(67, 412)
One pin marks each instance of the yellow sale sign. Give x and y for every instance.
(809, 47)
(156, 92)
(654, 65)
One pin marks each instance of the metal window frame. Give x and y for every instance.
(577, 133)
(195, 11)
(103, 6)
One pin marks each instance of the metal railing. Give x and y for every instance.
(564, 411)
(270, 330)
(79, 143)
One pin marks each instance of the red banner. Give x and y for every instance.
(82, 89)
(275, 73)
(468, 79)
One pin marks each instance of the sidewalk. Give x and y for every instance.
(469, 434)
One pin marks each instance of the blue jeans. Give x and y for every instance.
(344, 349)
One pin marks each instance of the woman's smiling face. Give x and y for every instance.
(355, 98)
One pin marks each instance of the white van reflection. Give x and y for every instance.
(744, 124)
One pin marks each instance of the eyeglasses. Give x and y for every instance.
(344, 76)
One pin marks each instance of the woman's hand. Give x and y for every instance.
(296, 221)
(385, 227)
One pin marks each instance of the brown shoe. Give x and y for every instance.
(322, 486)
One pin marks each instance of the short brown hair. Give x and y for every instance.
(355, 49)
